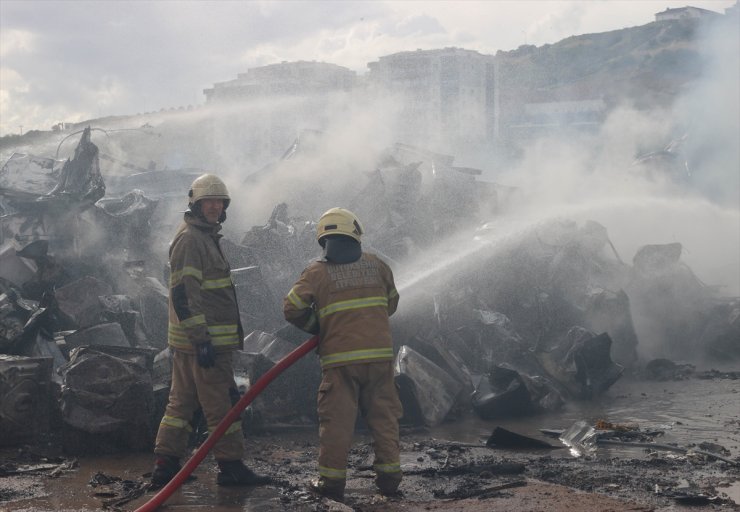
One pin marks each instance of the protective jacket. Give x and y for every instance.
(203, 302)
(348, 305)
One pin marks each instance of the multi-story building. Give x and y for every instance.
(448, 95)
(267, 107)
(286, 78)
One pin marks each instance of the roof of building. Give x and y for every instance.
(677, 9)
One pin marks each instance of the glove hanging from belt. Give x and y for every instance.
(205, 354)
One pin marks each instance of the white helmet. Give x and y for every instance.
(208, 186)
(338, 221)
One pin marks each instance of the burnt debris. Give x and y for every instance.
(500, 325)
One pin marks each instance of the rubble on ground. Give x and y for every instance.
(511, 326)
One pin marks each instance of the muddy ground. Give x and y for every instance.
(446, 468)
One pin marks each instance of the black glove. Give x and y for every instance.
(205, 354)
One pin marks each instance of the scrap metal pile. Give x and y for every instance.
(504, 327)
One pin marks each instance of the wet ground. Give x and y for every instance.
(449, 467)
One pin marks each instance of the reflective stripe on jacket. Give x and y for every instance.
(203, 302)
(348, 305)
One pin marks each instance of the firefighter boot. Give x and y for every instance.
(234, 472)
(388, 483)
(165, 468)
(332, 488)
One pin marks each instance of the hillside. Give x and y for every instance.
(645, 65)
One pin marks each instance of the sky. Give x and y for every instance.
(69, 60)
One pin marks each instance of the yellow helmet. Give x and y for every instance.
(339, 221)
(208, 186)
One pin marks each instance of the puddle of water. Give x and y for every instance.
(689, 412)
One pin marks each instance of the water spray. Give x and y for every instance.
(253, 391)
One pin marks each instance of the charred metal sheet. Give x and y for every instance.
(49, 272)
(500, 341)
(450, 362)
(580, 438)
(582, 363)
(110, 334)
(126, 221)
(280, 249)
(29, 179)
(720, 335)
(289, 399)
(135, 206)
(595, 370)
(162, 370)
(610, 312)
(13, 268)
(392, 196)
(48, 348)
(427, 392)
(668, 162)
(508, 397)
(443, 351)
(652, 259)
(142, 356)
(255, 290)
(153, 308)
(103, 393)
(507, 392)
(120, 309)
(673, 303)
(503, 438)
(80, 179)
(15, 312)
(25, 392)
(79, 300)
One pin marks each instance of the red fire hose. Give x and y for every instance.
(225, 423)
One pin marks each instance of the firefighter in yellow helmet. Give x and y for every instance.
(204, 330)
(346, 298)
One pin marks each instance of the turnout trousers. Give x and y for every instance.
(369, 386)
(214, 390)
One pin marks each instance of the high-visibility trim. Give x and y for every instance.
(214, 284)
(357, 355)
(171, 421)
(176, 334)
(296, 300)
(177, 276)
(193, 321)
(224, 335)
(221, 335)
(333, 473)
(224, 341)
(219, 330)
(235, 427)
(392, 467)
(344, 305)
(393, 293)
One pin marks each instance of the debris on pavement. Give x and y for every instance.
(500, 328)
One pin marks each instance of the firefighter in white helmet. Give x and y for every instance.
(346, 298)
(204, 330)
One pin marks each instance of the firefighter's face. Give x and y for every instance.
(212, 209)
